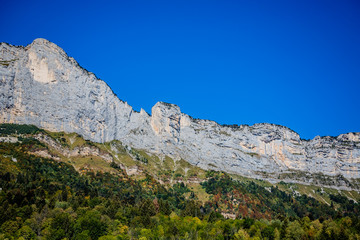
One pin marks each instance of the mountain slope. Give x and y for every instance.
(45, 197)
(28, 143)
(41, 85)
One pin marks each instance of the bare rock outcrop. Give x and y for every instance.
(41, 85)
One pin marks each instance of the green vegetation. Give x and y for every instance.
(11, 129)
(70, 140)
(7, 63)
(86, 197)
(319, 178)
(224, 133)
(256, 201)
(140, 156)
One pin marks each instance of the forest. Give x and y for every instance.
(41, 198)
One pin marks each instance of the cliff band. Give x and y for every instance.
(41, 85)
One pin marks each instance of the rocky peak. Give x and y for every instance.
(45, 47)
(45, 87)
(354, 137)
(42, 43)
(271, 132)
(41, 85)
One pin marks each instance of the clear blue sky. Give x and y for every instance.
(293, 63)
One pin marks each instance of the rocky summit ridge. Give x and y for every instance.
(41, 85)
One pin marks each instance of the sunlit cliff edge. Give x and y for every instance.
(43, 86)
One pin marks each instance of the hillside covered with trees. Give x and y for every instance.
(50, 197)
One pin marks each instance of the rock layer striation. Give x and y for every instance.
(41, 85)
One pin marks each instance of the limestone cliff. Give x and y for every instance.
(41, 85)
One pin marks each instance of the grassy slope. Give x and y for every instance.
(163, 168)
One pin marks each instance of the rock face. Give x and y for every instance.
(41, 85)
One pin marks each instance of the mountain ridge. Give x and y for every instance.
(42, 85)
(194, 118)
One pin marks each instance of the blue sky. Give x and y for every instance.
(293, 63)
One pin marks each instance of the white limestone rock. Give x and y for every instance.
(41, 85)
